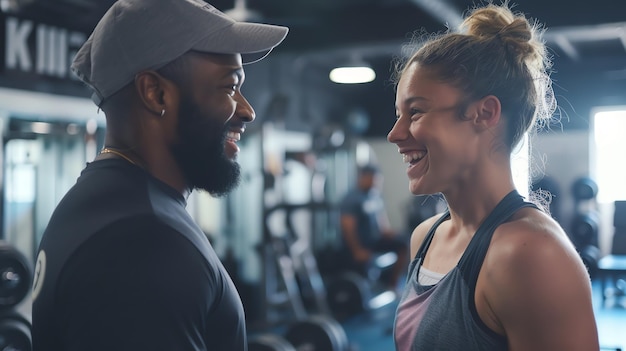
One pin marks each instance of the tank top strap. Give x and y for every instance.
(472, 260)
(429, 236)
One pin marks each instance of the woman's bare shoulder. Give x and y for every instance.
(419, 233)
(531, 277)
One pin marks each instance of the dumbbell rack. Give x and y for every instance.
(584, 229)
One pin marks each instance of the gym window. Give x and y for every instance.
(608, 148)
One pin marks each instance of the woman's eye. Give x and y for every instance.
(413, 114)
(232, 90)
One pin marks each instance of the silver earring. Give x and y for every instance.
(162, 112)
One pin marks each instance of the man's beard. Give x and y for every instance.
(200, 152)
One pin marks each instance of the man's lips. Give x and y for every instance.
(232, 137)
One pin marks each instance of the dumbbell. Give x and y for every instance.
(15, 283)
(590, 255)
(584, 188)
(347, 294)
(350, 293)
(269, 342)
(15, 276)
(316, 333)
(15, 332)
(585, 229)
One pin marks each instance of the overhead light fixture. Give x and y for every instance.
(354, 72)
(352, 75)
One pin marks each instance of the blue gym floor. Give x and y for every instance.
(373, 332)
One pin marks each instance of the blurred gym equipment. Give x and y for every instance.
(15, 282)
(584, 228)
(618, 246)
(15, 332)
(350, 293)
(584, 188)
(290, 269)
(269, 342)
(612, 268)
(294, 292)
(318, 333)
(15, 276)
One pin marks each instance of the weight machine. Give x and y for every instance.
(293, 289)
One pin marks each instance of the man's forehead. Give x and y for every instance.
(221, 59)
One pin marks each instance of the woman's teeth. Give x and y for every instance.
(413, 157)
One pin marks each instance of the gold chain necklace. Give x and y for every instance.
(107, 150)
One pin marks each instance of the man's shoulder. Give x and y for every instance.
(350, 199)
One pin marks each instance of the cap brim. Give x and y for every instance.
(253, 41)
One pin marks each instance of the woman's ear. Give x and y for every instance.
(486, 112)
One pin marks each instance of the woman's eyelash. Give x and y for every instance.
(412, 112)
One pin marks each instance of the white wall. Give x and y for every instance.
(48, 106)
(396, 186)
(566, 157)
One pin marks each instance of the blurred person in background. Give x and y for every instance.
(365, 227)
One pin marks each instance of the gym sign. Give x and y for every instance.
(37, 49)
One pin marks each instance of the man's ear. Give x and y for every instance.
(154, 91)
(486, 112)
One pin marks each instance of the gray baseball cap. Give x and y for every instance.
(138, 35)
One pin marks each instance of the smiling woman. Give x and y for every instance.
(465, 102)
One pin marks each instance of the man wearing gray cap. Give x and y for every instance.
(122, 265)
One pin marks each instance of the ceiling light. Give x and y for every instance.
(352, 74)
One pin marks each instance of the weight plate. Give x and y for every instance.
(269, 342)
(317, 333)
(15, 333)
(15, 276)
(347, 295)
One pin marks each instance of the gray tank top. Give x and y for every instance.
(443, 316)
